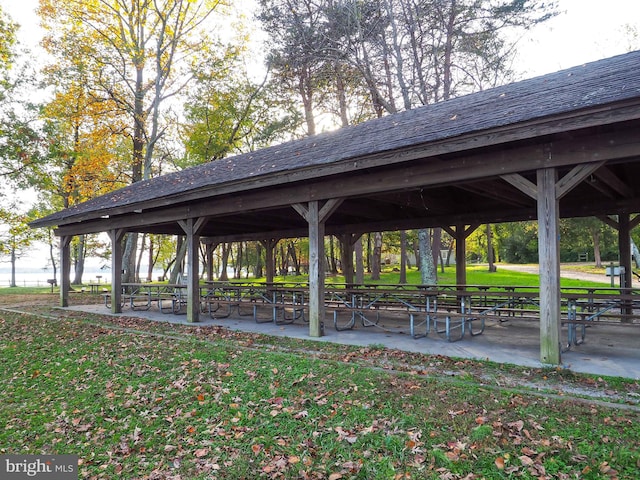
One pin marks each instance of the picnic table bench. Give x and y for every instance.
(142, 296)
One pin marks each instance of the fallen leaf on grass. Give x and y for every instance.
(526, 461)
(345, 435)
(201, 452)
(607, 470)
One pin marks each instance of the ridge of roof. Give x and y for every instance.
(591, 84)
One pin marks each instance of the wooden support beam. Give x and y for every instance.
(269, 245)
(574, 177)
(352, 179)
(65, 269)
(116, 237)
(324, 212)
(612, 222)
(567, 183)
(624, 246)
(549, 259)
(548, 192)
(612, 181)
(192, 227)
(461, 255)
(461, 232)
(316, 216)
(522, 184)
(316, 270)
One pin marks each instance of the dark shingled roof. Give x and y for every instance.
(598, 83)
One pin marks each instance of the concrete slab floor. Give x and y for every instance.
(607, 350)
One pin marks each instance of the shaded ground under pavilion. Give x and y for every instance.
(561, 145)
(610, 351)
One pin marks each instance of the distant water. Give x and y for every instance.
(37, 277)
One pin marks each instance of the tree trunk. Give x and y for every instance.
(13, 267)
(129, 258)
(284, 263)
(224, 259)
(306, 93)
(490, 254)
(342, 97)
(635, 253)
(403, 257)
(52, 257)
(346, 257)
(449, 252)
(436, 244)
(595, 235)
(427, 267)
(237, 268)
(369, 252)
(376, 257)
(333, 264)
(140, 254)
(151, 259)
(359, 262)
(259, 265)
(79, 263)
(180, 254)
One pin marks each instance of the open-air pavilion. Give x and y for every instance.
(565, 144)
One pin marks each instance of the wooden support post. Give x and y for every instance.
(461, 255)
(65, 269)
(269, 261)
(191, 228)
(316, 217)
(316, 271)
(359, 280)
(460, 232)
(548, 192)
(209, 248)
(624, 245)
(549, 259)
(116, 237)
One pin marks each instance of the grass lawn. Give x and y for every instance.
(476, 275)
(136, 399)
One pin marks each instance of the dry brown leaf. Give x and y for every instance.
(201, 452)
(526, 461)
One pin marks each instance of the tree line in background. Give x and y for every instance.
(131, 90)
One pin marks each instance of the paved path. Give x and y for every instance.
(565, 271)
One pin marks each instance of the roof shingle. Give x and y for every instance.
(598, 83)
